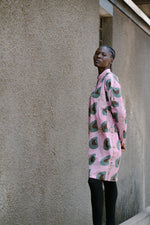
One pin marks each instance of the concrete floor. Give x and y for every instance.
(143, 218)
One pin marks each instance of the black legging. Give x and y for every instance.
(97, 200)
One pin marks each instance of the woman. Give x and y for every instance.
(107, 136)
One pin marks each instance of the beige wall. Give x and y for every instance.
(132, 66)
(46, 76)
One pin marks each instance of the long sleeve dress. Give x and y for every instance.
(107, 127)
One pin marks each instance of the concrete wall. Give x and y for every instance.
(46, 76)
(132, 66)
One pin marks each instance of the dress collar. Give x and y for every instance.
(103, 73)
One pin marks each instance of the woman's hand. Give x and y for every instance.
(123, 148)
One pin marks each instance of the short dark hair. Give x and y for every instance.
(111, 50)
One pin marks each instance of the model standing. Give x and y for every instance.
(107, 136)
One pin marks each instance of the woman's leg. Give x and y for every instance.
(96, 200)
(111, 193)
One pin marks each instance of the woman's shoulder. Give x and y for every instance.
(112, 77)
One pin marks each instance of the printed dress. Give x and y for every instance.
(107, 127)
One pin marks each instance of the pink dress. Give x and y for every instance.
(107, 127)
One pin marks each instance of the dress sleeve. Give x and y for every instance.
(115, 101)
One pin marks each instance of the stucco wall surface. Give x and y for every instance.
(46, 75)
(132, 66)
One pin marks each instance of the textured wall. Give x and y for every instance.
(46, 75)
(132, 66)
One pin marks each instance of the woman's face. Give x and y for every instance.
(103, 58)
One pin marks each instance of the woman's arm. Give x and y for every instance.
(115, 100)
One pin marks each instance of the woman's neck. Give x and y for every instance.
(101, 70)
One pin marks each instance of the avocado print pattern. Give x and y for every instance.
(104, 126)
(101, 176)
(117, 162)
(107, 127)
(92, 109)
(107, 145)
(93, 126)
(92, 159)
(116, 92)
(114, 104)
(93, 144)
(108, 84)
(114, 177)
(105, 161)
(104, 111)
(96, 93)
